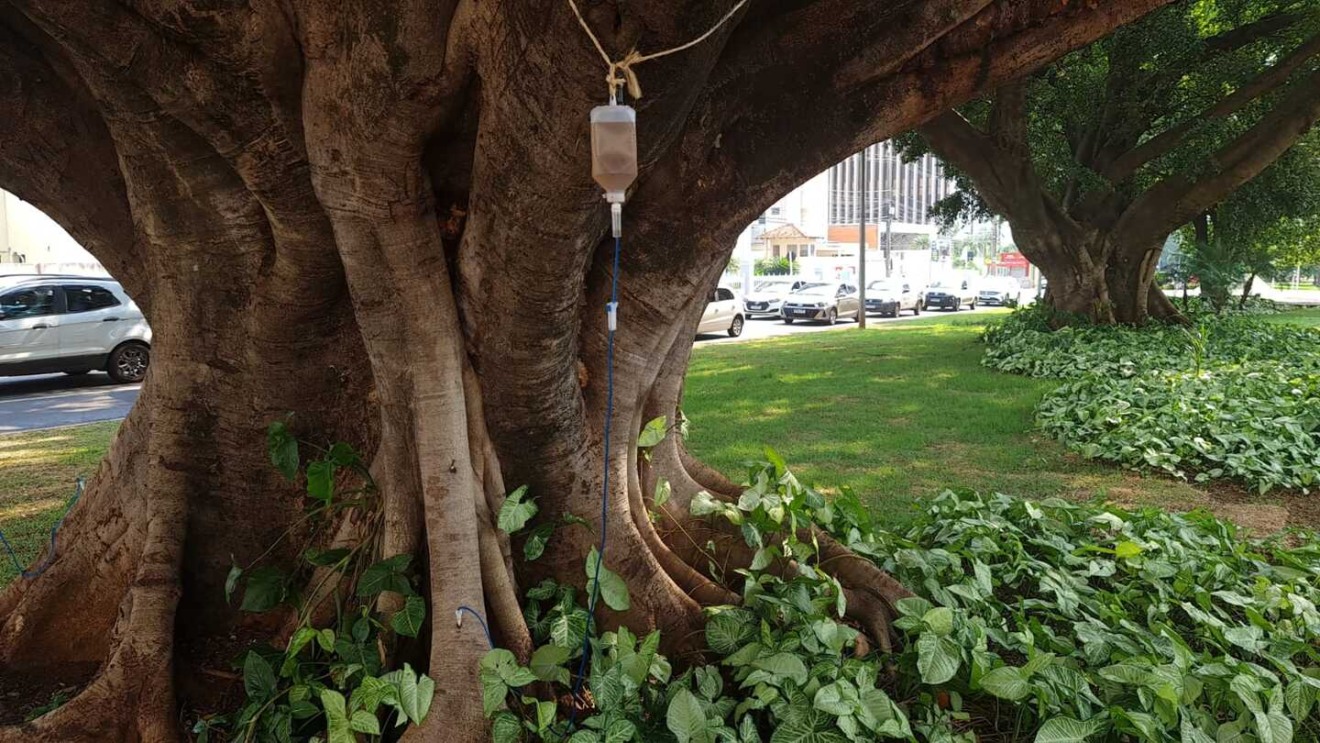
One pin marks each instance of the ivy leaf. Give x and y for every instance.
(258, 677)
(505, 727)
(620, 731)
(365, 722)
(283, 449)
(231, 580)
(686, 719)
(516, 512)
(662, 492)
(783, 665)
(321, 480)
(938, 658)
(728, 630)
(325, 558)
(612, 587)
(1006, 682)
(1127, 550)
(652, 433)
(336, 718)
(534, 547)
(1068, 730)
(939, 620)
(265, 589)
(386, 575)
(547, 663)
(343, 455)
(415, 694)
(408, 620)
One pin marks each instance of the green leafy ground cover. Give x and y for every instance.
(1039, 621)
(1234, 397)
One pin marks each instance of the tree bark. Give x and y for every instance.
(381, 220)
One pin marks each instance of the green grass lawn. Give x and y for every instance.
(1309, 317)
(897, 412)
(37, 475)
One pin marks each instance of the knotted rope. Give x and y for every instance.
(620, 73)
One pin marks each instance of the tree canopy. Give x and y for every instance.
(1114, 147)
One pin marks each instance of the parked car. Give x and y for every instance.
(723, 314)
(71, 324)
(1002, 290)
(824, 302)
(951, 294)
(768, 294)
(890, 297)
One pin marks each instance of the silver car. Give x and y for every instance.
(889, 297)
(822, 303)
(71, 324)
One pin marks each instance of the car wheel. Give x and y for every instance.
(128, 362)
(916, 309)
(736, 328)
(831, 317)
(957, 305)
(972, 305)
(788, 320)
(76, 372)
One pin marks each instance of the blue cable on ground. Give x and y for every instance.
(610, 309)
(50, 553)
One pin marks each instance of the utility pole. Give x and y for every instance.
(889, 238)
(861, 241)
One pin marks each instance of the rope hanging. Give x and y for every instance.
(620, 73)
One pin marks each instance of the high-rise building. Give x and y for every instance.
(827, 208)
(912, 187)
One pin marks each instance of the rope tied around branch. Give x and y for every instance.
(620, 74)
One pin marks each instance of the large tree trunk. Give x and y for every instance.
(380, 219)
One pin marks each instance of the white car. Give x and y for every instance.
(723, 314)
(889, 297)
(768, 294)
(1003, 290)
(71, 324)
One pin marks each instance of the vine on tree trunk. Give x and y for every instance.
(347, 614)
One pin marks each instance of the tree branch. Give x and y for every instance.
(1175, 200)
(56, 153)
(1126, 165)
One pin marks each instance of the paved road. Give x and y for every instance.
(28, 403)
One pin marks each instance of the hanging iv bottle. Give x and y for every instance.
(614, 155)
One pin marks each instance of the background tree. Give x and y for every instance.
(380, 217)
(1097, 160)
(1265, 229)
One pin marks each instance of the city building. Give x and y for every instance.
(31, 242)
(822, 217)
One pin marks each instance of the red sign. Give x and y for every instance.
(1012, 260)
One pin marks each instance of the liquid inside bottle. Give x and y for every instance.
(614, 149)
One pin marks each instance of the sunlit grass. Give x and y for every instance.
(38, 471)
(895, 412)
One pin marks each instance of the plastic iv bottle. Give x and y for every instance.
(614, 155)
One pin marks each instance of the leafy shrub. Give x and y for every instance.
(1043, 621)
(1232, 397)
(327, 682)
(1257, 425)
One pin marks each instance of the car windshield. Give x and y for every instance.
(817, 290)
(771, 286)
(881, 286)
(941, 284)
